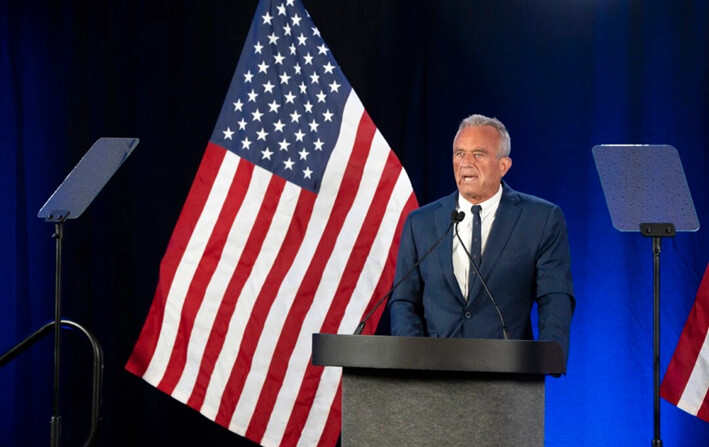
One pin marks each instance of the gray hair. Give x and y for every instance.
(482, 120)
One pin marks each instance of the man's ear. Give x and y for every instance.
(505, 165)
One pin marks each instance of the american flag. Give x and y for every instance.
(291, 227)
(686, 382)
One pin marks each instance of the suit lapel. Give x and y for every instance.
(445, 249)
(506, 219)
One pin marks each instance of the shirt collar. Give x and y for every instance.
(487, 206)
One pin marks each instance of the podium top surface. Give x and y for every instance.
(438, 354)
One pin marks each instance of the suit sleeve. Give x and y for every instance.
(555, 294)
(406, 302)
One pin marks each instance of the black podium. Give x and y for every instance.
(416, 391)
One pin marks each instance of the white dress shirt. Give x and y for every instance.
(461, 262)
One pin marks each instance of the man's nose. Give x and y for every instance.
(469, 159)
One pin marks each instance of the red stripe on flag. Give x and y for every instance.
(252, 332)
(236, 283)
(194, 204)
(204, 272)
(703, 412)
(311, 380)
(689, 346)
(308, 287)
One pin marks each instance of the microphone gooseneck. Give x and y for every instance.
(456, 217)
(505, 330)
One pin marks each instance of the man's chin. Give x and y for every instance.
(469, 189)
(470, 197)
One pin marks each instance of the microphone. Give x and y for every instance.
(505, 330)
(456, 218)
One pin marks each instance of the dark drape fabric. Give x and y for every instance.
(562, 75)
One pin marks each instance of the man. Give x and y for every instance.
(518, 242)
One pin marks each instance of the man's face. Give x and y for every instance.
(476, 166)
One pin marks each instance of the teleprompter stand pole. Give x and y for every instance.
(656, 231)
(56, 418)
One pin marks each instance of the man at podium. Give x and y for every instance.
(516, 241)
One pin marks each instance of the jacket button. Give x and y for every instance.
(467, 315)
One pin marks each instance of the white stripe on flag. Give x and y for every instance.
(274, 322)
(696, 390)
(186, 269)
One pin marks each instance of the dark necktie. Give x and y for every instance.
(476, 242)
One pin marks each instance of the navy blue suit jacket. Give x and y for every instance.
(526, 260)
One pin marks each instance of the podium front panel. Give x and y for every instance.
(413, 408)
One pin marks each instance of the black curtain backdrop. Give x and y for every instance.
(563, 75)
